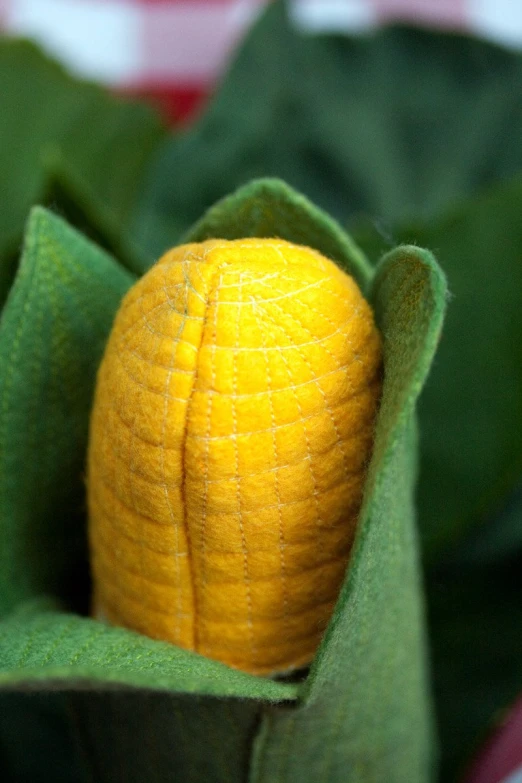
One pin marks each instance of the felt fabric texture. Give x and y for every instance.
(52, 335)
(232, 426)
(40, 643)
(371, 661)
(369, 140)
(268, 208)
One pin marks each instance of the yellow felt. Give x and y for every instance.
(232, 425)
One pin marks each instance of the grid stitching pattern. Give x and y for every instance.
(172, 516)
(253, 650)
(123, 588)
(206, 291)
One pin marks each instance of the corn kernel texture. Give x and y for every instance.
(231, 430)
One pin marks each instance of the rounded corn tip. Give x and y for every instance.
(231, 430)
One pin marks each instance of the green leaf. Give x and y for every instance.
(470, 489)
(52, 334)
(67, 193)
(53, 331)
(269, 208)
(44, 112)
(120, 685)
(365, 714)
(60, 651)
(471, 413)
(395, 124)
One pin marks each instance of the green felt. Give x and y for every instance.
(365, 712)
(365, 706)
(470, 487)
(38, 739)
(52, 334)
(45, 113)
(67, 192)
(161, 738)
(137, 709)
(268, 208)
(43, 647)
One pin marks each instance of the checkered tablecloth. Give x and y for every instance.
(177, 49)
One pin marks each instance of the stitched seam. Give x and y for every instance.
(131, 596)
(175, 523)
(152, 292)
(211, 288)
(275, 470)
(253, 648)
(275, 642)
(340, 442)
(247, 349)
(141, 540)
(167, 263)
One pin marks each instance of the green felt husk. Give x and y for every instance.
(53, 331)
(363, 713)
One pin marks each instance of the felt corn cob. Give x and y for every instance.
(232, 425)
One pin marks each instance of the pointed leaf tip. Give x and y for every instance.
(269, 208)
(52, 333)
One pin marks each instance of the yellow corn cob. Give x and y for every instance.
(231, 430)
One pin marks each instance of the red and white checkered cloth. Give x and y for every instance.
(175, 50)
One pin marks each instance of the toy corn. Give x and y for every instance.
(232, 426)
(235, 547)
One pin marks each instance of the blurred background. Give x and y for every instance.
(175, 51)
